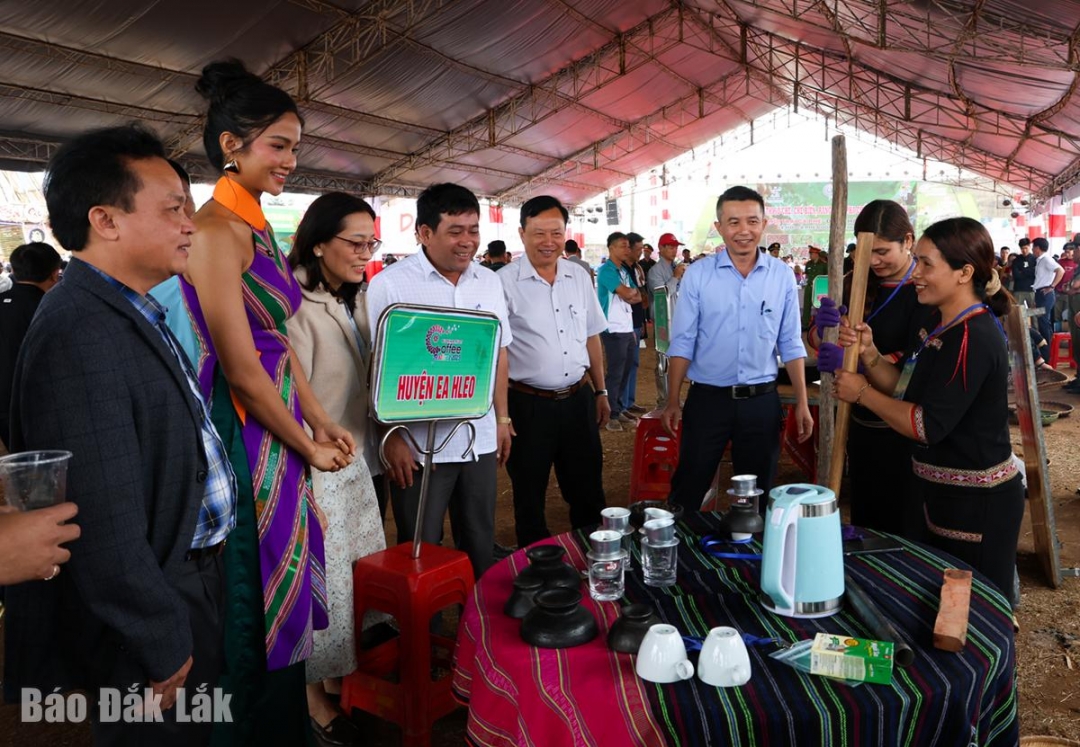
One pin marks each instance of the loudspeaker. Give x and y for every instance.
(612, 212)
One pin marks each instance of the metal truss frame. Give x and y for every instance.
(566, 88)
(352, 40)
(850, 93)
(37, 152)
(770, 68)
(907, 114)
(125, 111)
(722, 95)
(901, 26)
(14, 148)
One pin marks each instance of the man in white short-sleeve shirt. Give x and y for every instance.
(616, 292)
(1048, 274)
(443, 274)
(557, 399)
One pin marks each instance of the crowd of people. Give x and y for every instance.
(226, 473)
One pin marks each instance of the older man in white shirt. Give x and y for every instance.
(557, 398)
(442, 273)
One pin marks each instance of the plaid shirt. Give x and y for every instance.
(217, 515)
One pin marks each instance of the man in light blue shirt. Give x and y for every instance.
(735, 310)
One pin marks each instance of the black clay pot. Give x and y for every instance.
(546, 563)
(558, 620)
(629, 630)
(637, 511)
(523, 598)
(742, 519)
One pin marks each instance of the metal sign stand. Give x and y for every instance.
(428, 452)
(661, 380)
(432, 365)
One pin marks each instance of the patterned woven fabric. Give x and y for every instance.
(290, 538)
(519, 695)
(979, 478)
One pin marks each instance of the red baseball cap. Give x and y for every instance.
(668, 239)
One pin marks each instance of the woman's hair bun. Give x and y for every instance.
(220, 79)
(241, 103)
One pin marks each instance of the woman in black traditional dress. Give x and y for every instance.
(879, 458)
(949, 397)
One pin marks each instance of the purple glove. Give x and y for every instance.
(830, 357)
(828, 316)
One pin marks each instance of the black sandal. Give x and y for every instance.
(339, 732)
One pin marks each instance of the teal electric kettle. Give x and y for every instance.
(802, 558)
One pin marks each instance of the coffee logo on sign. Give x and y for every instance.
(440, 347)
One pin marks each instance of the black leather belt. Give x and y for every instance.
(556, 394)
(197, 553)
(743, 391)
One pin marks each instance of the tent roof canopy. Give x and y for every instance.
(567, 97)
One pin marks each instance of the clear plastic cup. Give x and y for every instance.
(34, 479)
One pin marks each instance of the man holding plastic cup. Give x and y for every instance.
(141, 600)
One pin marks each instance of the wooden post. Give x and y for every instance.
(864, 247)
(1040, 504)
(837, 231)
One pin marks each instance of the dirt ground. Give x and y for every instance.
(1048, 644)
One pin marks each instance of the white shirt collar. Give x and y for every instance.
(528, 270)
(428, 268)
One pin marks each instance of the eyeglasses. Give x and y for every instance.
(362, 246)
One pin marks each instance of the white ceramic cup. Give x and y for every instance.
(662, 656)
(724, 660)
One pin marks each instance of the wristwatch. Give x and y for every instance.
(600, 392)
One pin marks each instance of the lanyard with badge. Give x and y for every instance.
(356, 332)
(909, 365)
(892, 295)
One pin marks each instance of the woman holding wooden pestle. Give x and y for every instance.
(879, 458)
(948, 395)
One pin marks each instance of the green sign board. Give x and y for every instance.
(819, 290)
(433, 363)
(661, 318)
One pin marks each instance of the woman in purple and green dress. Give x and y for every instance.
(239, 290)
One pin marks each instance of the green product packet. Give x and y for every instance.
(851, 658)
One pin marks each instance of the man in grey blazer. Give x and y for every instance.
(99, 375)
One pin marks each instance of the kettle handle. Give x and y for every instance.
(778, 553)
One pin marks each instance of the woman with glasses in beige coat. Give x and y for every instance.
(333, 244)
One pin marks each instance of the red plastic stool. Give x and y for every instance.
(656, 454)
(1055, 349)
(412, 591)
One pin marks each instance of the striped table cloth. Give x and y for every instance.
(589, 695)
